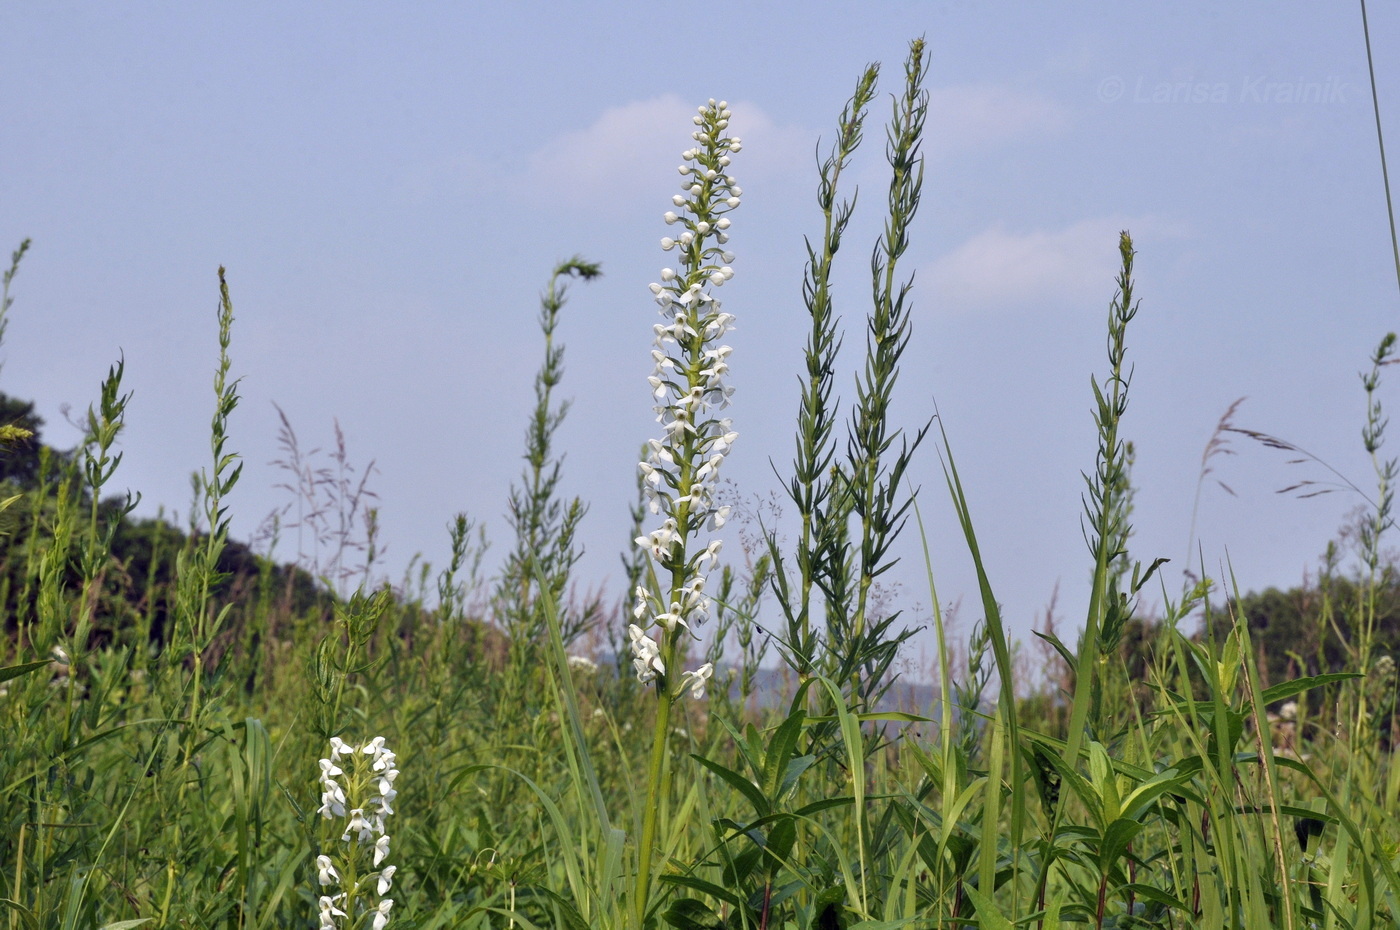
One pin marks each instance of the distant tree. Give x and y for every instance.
(1307, 630)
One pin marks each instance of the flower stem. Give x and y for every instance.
(658, 788)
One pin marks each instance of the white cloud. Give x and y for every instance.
(625, 147)
(975, 115)
(997, 269)
(630, 149)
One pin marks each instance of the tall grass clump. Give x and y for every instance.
(198, 735)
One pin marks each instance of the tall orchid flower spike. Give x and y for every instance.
(681, 471)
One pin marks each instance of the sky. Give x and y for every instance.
(390, 185)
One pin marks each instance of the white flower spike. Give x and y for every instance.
(681, 472)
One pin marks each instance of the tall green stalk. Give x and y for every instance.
(810, 487)
(5, 299)
(1105, 508)
(544, 525)
(197, 617)
(871, 479)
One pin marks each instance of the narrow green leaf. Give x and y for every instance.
(988, 917)
(745, 787)
(1298, 685)
(14, 671)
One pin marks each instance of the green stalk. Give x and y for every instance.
(658, 789)
(1105, 496)
(871, 483)
(889, 333)
(199, 573)
(5, 299)
(811, 486)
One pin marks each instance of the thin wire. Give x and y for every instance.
(1380, 139)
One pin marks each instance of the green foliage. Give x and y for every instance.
(539, 567)
(853, 508)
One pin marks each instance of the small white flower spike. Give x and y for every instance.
(366, 775)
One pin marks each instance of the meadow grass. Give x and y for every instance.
(222, 749)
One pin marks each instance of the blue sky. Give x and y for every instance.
(389, 186)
